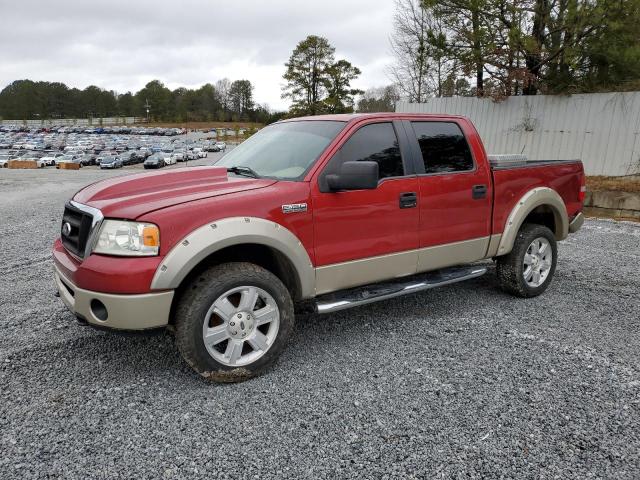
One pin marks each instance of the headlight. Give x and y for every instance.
(119, 237)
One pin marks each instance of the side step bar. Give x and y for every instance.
(355, 297)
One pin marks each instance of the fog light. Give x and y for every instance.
(99, 310)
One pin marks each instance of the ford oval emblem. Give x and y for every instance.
(66, 229)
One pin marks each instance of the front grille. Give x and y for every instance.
(75, 238)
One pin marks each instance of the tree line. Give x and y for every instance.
(223, 101)
(500, 48)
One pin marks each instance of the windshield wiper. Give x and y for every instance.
(241, 170)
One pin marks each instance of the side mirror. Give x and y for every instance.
(354, 176)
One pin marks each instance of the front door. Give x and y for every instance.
(364, 236)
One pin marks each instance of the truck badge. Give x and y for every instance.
(294, 208)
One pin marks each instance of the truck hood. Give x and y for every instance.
(131, 196)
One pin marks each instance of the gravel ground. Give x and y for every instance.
(459, 382)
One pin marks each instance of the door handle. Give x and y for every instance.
(408, 200)
(478, 192)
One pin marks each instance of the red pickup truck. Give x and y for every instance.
(328, 212)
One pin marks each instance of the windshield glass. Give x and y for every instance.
(284, 150)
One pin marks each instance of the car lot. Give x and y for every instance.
(110, 148)
(461, 381)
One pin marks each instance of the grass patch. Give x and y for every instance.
(619, 184)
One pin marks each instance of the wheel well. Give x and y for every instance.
(266, 257)
(544, 215)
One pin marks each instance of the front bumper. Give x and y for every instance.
(120, 312)
(576, 223)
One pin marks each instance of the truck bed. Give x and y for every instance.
(511, 182)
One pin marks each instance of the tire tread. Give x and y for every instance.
(508, 267)
(198, 293)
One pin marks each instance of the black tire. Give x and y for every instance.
(510, 267)
(200, 295)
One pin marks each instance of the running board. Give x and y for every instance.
(355, 297)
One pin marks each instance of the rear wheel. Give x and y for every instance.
(233, 322)
(528, 269)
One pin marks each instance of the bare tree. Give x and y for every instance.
(222, 87)
(410, 46)
(380, 99)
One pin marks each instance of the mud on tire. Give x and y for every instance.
(201, 302)
(510, 268)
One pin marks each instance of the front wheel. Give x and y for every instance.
(233, 321)
(528, 269)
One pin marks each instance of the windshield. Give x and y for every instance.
(284, 150)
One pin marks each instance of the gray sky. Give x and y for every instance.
(121, 45)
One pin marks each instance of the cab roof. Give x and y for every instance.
(348, 117)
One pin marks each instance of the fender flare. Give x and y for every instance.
(214, 236)
(541, 196)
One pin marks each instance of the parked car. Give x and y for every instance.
(105, 154)
(190, 155)
(128, 158)
(51, 158)
(34, 158)
(178, 156)
(68, 158)
(4, 161)
(156, 160)
(328, 213)
(143, 153)
(87, 159)
(222, 146)
(110, 161)
(200, 152)
(168, 157)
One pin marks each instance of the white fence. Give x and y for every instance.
(79, 122)
(601, 129)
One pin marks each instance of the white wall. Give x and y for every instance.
(601, 129)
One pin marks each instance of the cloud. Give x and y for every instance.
(121, 45)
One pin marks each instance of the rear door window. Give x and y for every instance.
(444, 147)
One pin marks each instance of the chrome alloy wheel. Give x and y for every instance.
(537, 262)
(241, 325)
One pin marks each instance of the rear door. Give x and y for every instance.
(455, 194)
(363, 236)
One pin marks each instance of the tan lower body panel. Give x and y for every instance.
(124, 312)
(331, 278)
(441, 256)
(339, 276)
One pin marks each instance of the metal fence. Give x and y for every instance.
(79, 122)
(601, 129)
